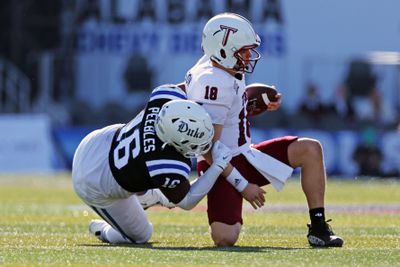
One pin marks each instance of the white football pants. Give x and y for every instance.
(127, 221)
(94, 184)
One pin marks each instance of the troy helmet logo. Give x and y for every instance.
(227, 32)
(184, 128)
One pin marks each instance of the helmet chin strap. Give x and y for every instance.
(164, 145)
(239, 75)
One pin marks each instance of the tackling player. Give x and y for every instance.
(113, 165)
(217, 82)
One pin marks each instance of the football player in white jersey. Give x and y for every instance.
(115, 165)
(217, 82)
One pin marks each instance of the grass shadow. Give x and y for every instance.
(239, 249)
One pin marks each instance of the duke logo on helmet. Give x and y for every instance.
(186, 126)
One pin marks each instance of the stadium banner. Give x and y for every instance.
(26, 144)
(29, 144)
(167, 34)
(339, 147)
(302, 42)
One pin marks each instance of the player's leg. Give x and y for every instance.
(224, 213)
(304, 153)
(124, 222)
(307, 154)
(225, 203)
(225, 235)
(224, 209)
(126, 219)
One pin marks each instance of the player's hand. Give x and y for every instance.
(272, 106)
(221, 154)
(254, 194)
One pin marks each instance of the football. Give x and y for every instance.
(258, 97)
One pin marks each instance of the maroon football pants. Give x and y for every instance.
(224, 201)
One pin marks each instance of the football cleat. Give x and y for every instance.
(323, 236)
(96, 228)
(154, 197)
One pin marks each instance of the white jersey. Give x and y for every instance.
(104, 172)
(91, 173)
(224, 98)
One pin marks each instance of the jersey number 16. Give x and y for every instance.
(129, 143)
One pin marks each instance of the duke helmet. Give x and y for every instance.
(186, 126)
(225, 35)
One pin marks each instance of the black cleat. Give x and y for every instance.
(323, 236)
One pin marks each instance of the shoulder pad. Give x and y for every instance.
(168, 91)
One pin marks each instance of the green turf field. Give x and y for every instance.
(42, 222)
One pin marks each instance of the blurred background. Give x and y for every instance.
(70, 66)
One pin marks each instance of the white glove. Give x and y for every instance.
(154, 197)
(221, 154)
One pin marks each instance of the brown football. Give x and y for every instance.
(258, 97)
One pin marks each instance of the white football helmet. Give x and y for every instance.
(225, 35)
(186, 126)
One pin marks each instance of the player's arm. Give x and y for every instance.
(251, 192)
(186, 195)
